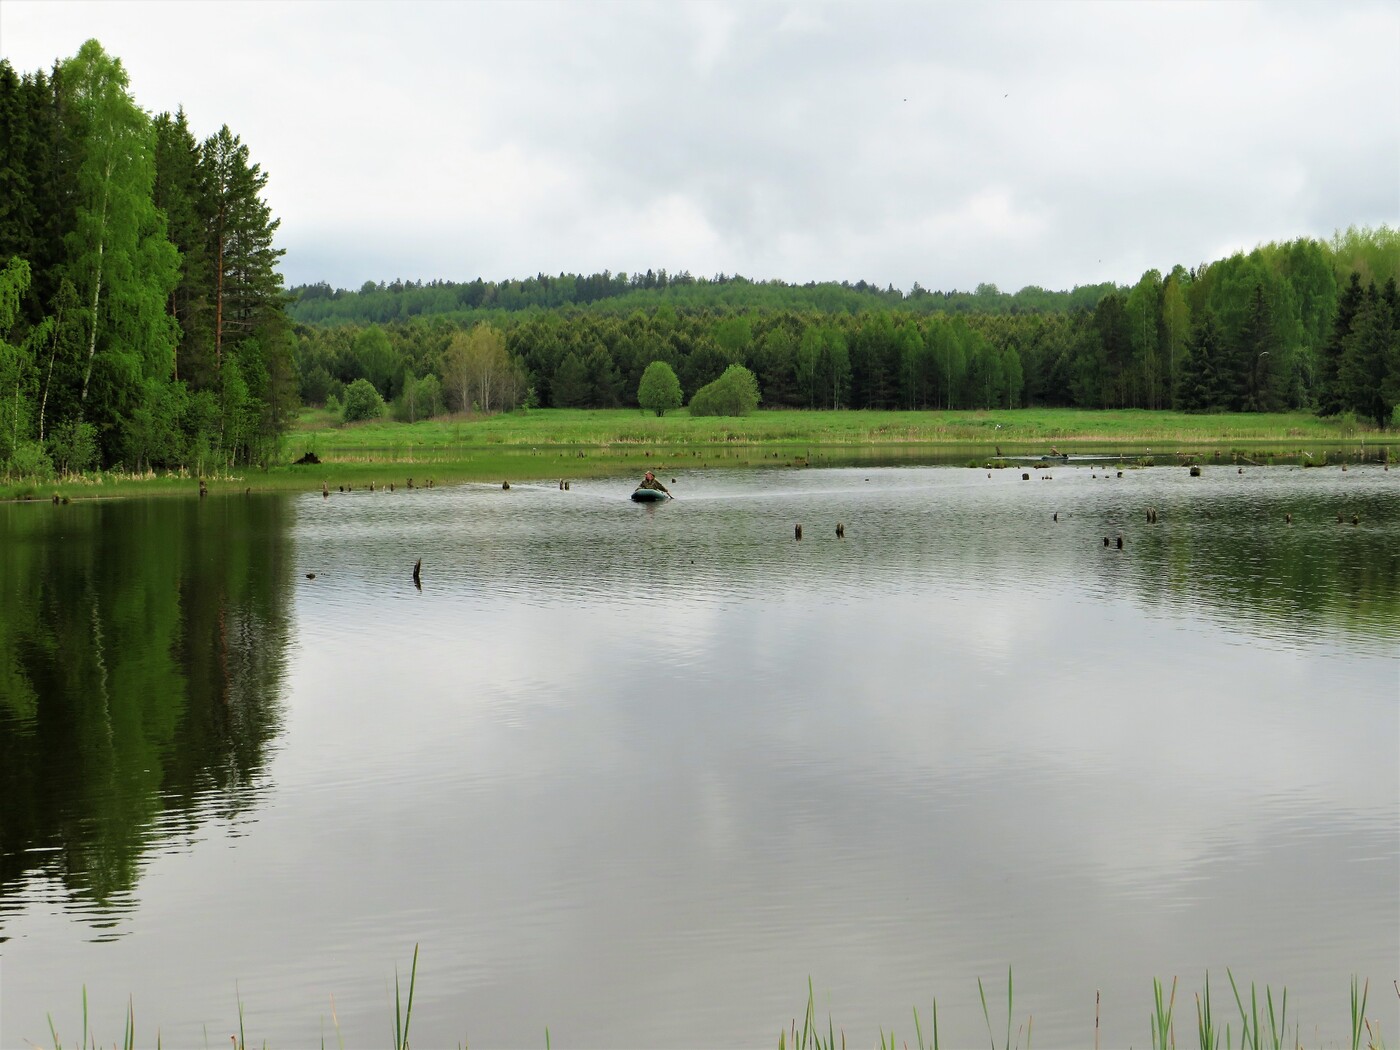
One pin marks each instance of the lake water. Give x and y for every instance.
(637, 773)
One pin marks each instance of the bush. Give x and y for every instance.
(659, 388)
(362, 401)
(735, 393)
(73, 447)
(30, 461)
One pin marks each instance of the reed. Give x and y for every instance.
(1162, 1036)
(401, 1019)
(1208, 1036)
(1261, 1024)
(987, 1016)
(1251, 1030)
(1358, 1015)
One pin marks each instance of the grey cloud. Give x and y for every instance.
(947, 144)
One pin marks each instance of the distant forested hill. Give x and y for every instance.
(622, 293)
(1302, 324)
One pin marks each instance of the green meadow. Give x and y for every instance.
(563, 444)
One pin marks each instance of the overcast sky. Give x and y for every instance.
(945, 143)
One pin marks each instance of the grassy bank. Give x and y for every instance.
(578, 443)
(1033, 427)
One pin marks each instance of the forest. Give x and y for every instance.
(1305, 324)
(143, 319)
(144, 322)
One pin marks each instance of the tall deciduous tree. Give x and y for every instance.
(1176, 328)
(14, 282)
(119, 257)
(659, 389)
(478, 371)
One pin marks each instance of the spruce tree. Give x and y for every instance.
(246, 285)
(178, 192)
(1370, 359)
(1200, 384)
(1330, 397)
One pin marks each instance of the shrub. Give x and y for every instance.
(30, 461)
(735, 393)
(362, 401)
(73, 447)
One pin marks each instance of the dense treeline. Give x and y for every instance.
(143, 321)
(618, 293)
(1304, 324)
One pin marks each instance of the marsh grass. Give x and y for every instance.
(987, 1016)
(1254, 1018)
(593, 427)
(1163, 1038)
(1251, 1030)
(401, 1019)
(581, 443)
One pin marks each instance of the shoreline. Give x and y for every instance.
(562, 444)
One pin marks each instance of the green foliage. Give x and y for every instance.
(571, 387)
(659, 388)
(72, 447)
(735, 393)
(362, 402)
(478, 373)
(153, 269)
(420, 399)
(28, 460)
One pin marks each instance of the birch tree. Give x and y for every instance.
(118, 256)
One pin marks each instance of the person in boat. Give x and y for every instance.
(650, 482)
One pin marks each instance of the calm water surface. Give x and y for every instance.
(635, 773)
